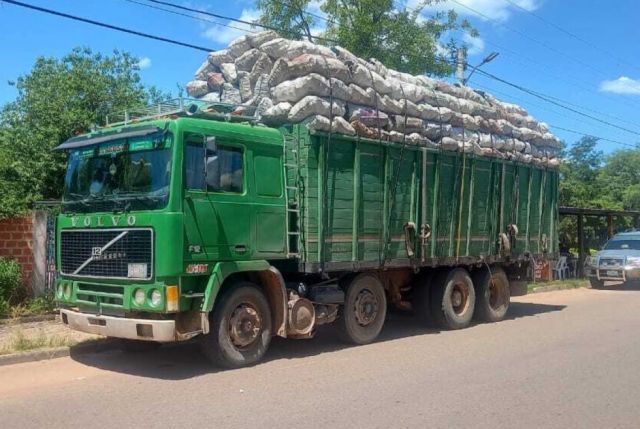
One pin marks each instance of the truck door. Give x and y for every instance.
(217, 205)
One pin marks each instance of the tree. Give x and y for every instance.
(579, 171)
(619, 179)
(58, 99)
(399, 37)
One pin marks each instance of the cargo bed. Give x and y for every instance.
(356, 204)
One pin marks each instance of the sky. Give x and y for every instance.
(583, 55)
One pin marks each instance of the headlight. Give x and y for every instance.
(633, 262)
(156, 298)
(138, 297)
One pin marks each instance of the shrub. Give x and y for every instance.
(42, 304)
(4, 308)
(10, 280)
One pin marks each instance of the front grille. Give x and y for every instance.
(611, 262)
(87, 252)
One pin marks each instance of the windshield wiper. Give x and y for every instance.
(148, 201)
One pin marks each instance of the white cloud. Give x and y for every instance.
(224, 35)
(475, 45)
(622, 85)
(500, 10)
(144, 63)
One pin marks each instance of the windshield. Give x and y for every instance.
(121, 174)
(623, 245)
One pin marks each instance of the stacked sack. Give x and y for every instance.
(330, 89)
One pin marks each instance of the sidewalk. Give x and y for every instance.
(45, 332)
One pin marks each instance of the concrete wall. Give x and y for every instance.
(39, 273)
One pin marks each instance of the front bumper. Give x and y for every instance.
(119, 327)
(620, 274)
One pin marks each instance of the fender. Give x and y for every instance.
(271, 281)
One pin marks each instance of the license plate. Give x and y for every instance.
(612, 273)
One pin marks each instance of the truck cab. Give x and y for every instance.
(156, 214)
(618, 261)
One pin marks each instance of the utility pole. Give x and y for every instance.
(461, 65)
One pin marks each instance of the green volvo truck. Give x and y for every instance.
(196, 222)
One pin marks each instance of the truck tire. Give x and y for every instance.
(596, 284)
(420, 301)
(493, 294)
(137, 346)
(240, 327)
(364, 311)
(452, 299)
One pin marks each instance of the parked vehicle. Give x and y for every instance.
(618, 261)
(197, 223)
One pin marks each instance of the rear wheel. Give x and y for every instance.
(240, 327)
(492, 294)
(364, 310)
(452, 299)
(596, 284)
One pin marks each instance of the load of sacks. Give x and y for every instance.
(331, 90)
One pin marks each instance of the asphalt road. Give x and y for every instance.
(563, 359)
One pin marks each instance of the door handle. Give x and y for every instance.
(240, 248)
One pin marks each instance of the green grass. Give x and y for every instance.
(20, 341)
(560, 284)
(31, 307)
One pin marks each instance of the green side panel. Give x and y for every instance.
(480, 216)
(357, 195)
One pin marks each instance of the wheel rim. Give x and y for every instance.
(496, 295)
(460, 298)
(245, 325)
(366, 307)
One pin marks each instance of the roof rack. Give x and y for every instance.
(184, 107)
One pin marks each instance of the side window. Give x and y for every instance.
(225, 172)
(194, 161)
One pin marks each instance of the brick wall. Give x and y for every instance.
(16, 241)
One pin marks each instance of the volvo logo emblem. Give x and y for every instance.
(99, 221)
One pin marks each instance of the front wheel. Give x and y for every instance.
(240, 327)
(364, 310)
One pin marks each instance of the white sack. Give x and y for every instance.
(338, 125)
(197, 88)
(312, 105)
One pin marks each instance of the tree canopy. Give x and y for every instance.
(56, 100)
(400, 37)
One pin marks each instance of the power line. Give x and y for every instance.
(241, 21)
(315, 15)
(526, 36)
(546, 108)
(589, 109)
(635, 146)
(550, 100)
(109, 26)
(570, 34)
(199, 18)
(526, 102)
(585, 86)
